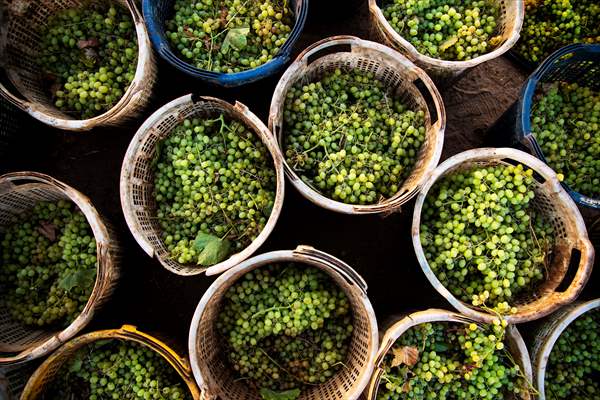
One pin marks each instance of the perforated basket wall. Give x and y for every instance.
(137, 177)
(402, 79)
(13, 379)
(578, 63)
(46, 373)
(21, 52)
(548, 333)
(512, 13)
(572, 243)
(19, 192)
(157, 12)
(9, 125)
(211, 369)
(515, 346)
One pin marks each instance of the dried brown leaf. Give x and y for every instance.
(84, 44)
(48, 230)
(408, 355)
(406, 387)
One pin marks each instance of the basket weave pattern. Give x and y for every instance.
(17, 342)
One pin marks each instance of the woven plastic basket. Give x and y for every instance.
(156, 12)
(19, 192)
(400, 76)
(515, 344)
(547, 335)
(512, 13)
(44, 375)
(13, 379)
(137, 177)
(210, 367)
(10, 120)
(578, 63)
(21, 49)
(572, 243)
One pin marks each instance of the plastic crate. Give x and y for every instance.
(157, 12)
(577, 63)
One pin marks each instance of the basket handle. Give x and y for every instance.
(586, 262)
(334, 263)
(20, 178)
(137, 15)
(312, 51)
(14, 100)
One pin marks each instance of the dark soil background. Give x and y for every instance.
(379, 248)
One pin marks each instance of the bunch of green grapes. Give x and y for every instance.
(115, 369)
(286, 326)
(566, 124)
(349, 138)
(552, 24)
(483, 238)
(453, 30)
(215, 187)
(229, 35)
(48, 267)
(574, 363)
(450, 361)
(89, 56)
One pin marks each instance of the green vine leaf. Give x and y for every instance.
(81, 279)
(268, 394)
(212, 249)
(236, 38)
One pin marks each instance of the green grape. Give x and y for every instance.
(450, 361)
(229, 35)
(574, 363)
(350, 139)
(48, 267)
(115, 369)
(552, 24)
(453, 30)
(89, 56)
(484, 239)
(285, 326)
(214, 179)
(566, 123)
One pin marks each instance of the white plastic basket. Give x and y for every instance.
(556, 205)
(515, 344)
(512, 13)
(547, 335)
(400, 76)
(20, 44)
(137, 177)
(217, 380)
(19, 192)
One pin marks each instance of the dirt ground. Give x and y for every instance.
(378, 248)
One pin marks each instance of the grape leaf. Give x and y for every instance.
(76, 364)
(84, 44)
(441, 347)
(408, 355)
(236, 38)
(83, 279)
(212, 249)
(406, 387)
(268, 394)
(48, 230)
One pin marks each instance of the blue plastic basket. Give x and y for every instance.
(157, 12)
(576, 63)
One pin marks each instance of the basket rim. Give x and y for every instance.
(414, 54)
(541, 357)
(401, 325)
(128, 208)
(163, 48)
(498, 154)
(106, 265)
(125, 333)
(145, 64)
(293, 73)
(331, 265)
(526, 101)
